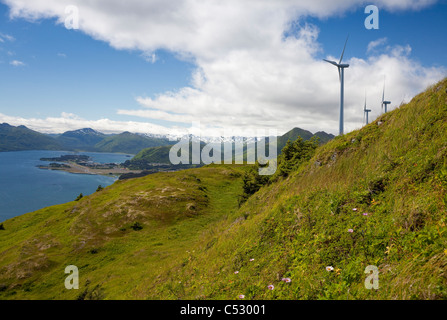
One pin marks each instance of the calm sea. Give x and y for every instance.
(25, 188)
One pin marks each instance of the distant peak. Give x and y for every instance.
(84, 131)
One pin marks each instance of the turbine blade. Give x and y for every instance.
(365, 101)
(331, 62)
(343, 52)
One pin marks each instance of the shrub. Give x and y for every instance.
(137, 226)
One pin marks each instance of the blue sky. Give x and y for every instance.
(68, 71)
(230, 69)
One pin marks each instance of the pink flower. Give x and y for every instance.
(252, 259)
(236, 272)
(271, 286)
(365, 214)
(241, 296)
(286, 280)
(350, 230)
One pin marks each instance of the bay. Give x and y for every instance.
(25, 188)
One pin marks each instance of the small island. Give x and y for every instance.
(83, 164)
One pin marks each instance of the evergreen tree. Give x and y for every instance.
(79, 197)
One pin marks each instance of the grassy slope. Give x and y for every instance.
(396, 172)
(394, 169)
(95, 234)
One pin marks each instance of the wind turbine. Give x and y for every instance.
(341, 67)
(384, 103)
(365, 112)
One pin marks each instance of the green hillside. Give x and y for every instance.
(375, 196)
(306, 135)
(21, 138)
(127, 142)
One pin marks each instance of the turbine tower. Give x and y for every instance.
(341, 67)
(366, 112)
(384, 103)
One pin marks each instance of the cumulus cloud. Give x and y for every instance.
(256, 62)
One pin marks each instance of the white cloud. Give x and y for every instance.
(61, 55)
(17, 63)
(149, 57)
(376, 43)
(248, 73)
(7, 37)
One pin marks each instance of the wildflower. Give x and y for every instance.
(388, 249)
(241, 296)
(286, 280)
(252, 259)
(271, 286)
(350, 230)
(365, 214)
(236, 272)
(329, 268)
(354, 209)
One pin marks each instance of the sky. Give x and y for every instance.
(154, 66)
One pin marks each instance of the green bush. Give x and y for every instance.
(292, 156)
(137, 226)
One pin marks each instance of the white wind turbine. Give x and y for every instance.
(341, 67)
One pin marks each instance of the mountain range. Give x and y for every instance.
(22, 138)
(160, 154)
(86, 139)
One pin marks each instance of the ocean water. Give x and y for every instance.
(25, 188)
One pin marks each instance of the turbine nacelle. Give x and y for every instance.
(342, 65)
